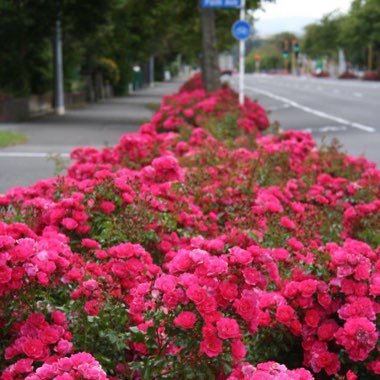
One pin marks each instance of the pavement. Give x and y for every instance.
(51, 138)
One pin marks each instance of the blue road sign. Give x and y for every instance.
(241, 30)
(221, 4)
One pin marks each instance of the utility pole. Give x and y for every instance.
(59, 96)
(295, 54)
(151, 71)
(285, 55)
(241, 57)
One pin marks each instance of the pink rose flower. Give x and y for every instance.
(284, 314)
(69, 223)
(107, 207)
(211, 346)
(228, 328)
(358, 337)
(186, 320)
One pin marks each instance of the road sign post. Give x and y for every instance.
(241, 30)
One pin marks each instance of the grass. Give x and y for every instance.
(8, 138)
(154, 107)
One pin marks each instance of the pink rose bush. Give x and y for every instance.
(199, 247)
(81, 365)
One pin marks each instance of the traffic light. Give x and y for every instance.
(285, 49)
(257, 57)
(296, 48)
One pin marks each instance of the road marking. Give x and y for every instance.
(33, 154)
(276, 108)
(312, 111)
(358, 94)
(333, 128)
(329, 81)
(307, 130)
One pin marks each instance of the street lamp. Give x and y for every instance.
(59, 96)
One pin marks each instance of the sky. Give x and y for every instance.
(293, 15)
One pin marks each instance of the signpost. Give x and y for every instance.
(221, 3)
(241, 30)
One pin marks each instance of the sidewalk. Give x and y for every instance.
(97, 125)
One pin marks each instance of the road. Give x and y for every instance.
(328, 108)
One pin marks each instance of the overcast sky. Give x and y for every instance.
(292, 15)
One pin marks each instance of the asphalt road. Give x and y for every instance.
(347, 110)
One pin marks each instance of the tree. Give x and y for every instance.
(28, 28)
(361, 29)
(323, 38)
(356, 32)
(125, 31)
(209, 57)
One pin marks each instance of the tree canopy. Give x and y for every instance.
(125, 31)
(356, 32)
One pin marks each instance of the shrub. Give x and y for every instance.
(190, 251)
(348, 75)
(370, 75)
(321, 74)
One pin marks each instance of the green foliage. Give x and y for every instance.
(8, 138)
(354, 32)
(28, 27)
(124, 32)
(224, 128)
(323, 38)
(270, 51)
(109, 69)
(104, 334)
(361, 28)
(286, 350)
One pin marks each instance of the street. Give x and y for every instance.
(328, 108)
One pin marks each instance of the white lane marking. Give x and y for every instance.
(307, 130)
(358, 94)
(327, 81)
(313, 111)
(276, 108)
(333, 128)
(32, 154)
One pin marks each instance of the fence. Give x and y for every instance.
(21, 109)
